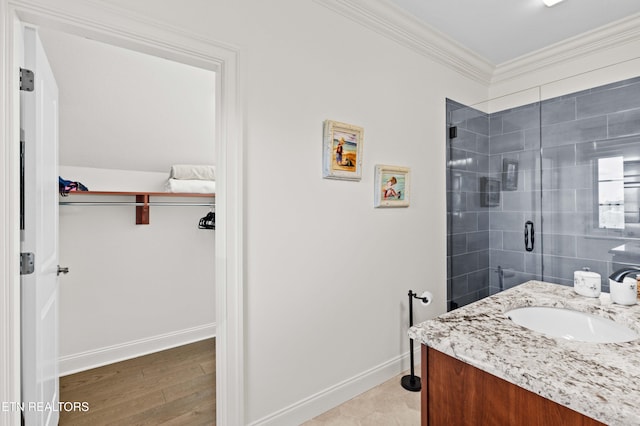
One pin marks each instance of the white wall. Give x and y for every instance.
(125, 118)
(327, 275)
(122, 109)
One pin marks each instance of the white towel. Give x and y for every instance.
(192, 172)
(191, 186)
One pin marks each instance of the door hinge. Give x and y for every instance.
(26, 80)
(27, 263)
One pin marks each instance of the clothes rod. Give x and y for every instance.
(142, 203)
(124, 203)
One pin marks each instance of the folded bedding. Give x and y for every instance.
(192, 172)
(191, 186)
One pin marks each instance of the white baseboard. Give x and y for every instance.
(74, 363)
(331, 397)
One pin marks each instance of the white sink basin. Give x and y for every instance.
(571, 325)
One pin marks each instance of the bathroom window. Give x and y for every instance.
(611, 192)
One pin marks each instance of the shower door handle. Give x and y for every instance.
(529, 236)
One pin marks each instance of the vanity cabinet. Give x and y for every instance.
(456, 393)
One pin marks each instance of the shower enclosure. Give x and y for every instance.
(541, 188)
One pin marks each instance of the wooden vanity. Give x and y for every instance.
(456, 393)
(480, 368)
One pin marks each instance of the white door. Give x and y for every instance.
(39, 290)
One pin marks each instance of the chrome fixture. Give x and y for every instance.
(618, 276)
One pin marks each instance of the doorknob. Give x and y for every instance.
(63, 270)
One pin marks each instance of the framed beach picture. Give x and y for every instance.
(342, 153)
(391, 186)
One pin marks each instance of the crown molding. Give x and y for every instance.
(606, 37)
(389, 20)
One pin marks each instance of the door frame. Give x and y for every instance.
(121, 28)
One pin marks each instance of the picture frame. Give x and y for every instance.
(392, 186)
(342, 151)
(509, 174)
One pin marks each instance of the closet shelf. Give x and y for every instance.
(142, 202)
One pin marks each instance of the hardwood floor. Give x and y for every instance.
(172, 387)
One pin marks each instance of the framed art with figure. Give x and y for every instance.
(392, 186)
(342, 151)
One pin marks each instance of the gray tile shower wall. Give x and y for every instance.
(576, 131)
(556, 145)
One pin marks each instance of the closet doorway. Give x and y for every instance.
(121, 27)
(125, 119)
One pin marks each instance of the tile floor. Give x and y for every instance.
(388, 404)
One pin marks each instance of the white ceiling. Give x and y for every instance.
(501, 30)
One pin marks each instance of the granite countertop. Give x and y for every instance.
(599, 380)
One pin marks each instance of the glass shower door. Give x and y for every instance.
(493, 196)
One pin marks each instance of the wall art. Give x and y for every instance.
(342, 153)
(392, 186)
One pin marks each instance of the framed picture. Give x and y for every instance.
(509, 174)
(392, 186)
(342, 153)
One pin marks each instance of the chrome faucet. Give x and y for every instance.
(619, 275)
